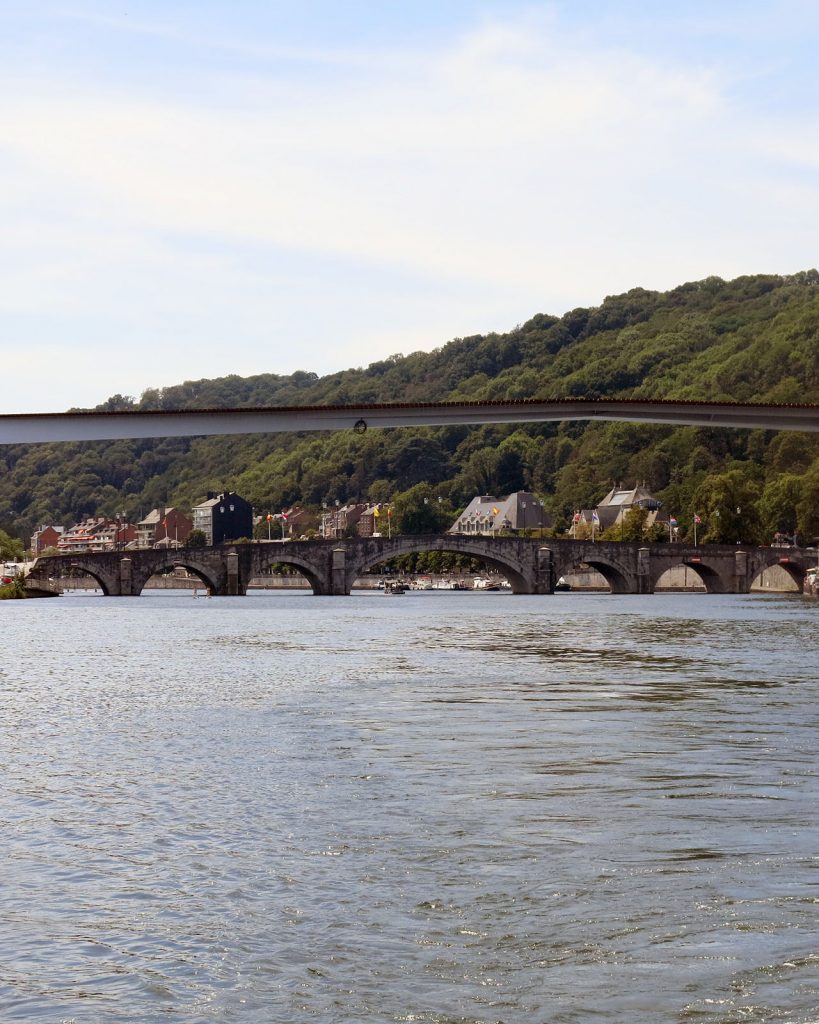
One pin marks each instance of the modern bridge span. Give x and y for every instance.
(532, 566)
(32, 428)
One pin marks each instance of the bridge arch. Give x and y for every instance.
(170, 562)
(712, 579)
(794, 567)
(617, 575)
(284, 556)
(520, 578)
(77, 567)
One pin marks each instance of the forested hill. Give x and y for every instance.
(752, 339)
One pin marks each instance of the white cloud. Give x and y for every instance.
(522, 167)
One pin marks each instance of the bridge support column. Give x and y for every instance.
(644, 571)
(232, 565)
(545, 575)
(338, 580)
(741, 572)
(126, 577)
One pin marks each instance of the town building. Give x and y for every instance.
(97, 533)
(163, 525)
(375, 521)
(616, 505)
(342, 520)
(487, 514)
(223, 517)
(45, 537)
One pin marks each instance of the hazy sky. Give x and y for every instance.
(194, 189)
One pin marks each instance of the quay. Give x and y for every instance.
(531, 566)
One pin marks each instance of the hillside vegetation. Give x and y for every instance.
(753, 339)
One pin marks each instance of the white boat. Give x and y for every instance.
(484, 583)
(392, 588)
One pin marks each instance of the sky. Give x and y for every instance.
(193, 189)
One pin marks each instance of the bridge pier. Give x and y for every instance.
(741, 581)
(545, 572)
(232, 571)
(126, 577)
(338, 573)
(644, 571)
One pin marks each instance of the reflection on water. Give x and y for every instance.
(447, 808)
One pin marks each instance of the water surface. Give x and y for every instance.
(440, 808)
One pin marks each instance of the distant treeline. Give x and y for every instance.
(752, 339)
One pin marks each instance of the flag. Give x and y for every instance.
(595, 518)
(495, 511)
(269, 518)
(577, 517)
(389, 512)
(672, 521)
(697, 519)
(283, 514)
(376, 513)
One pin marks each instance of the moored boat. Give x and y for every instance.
(485, 583)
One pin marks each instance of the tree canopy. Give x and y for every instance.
(752, 339)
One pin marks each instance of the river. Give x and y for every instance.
(442, 807)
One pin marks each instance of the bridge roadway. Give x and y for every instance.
(31, 428)
(532, 566)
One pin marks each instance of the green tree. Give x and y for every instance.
(11, 549)
(726, 504)
(196, 539)
(418, 510)
(633, 526)
(807, 510)
(778, 504)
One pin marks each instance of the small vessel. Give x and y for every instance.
(392, 588)
(484, 583)
(562, 584)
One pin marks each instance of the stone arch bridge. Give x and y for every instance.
(532, 566)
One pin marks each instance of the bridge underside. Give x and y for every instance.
(33, 428)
